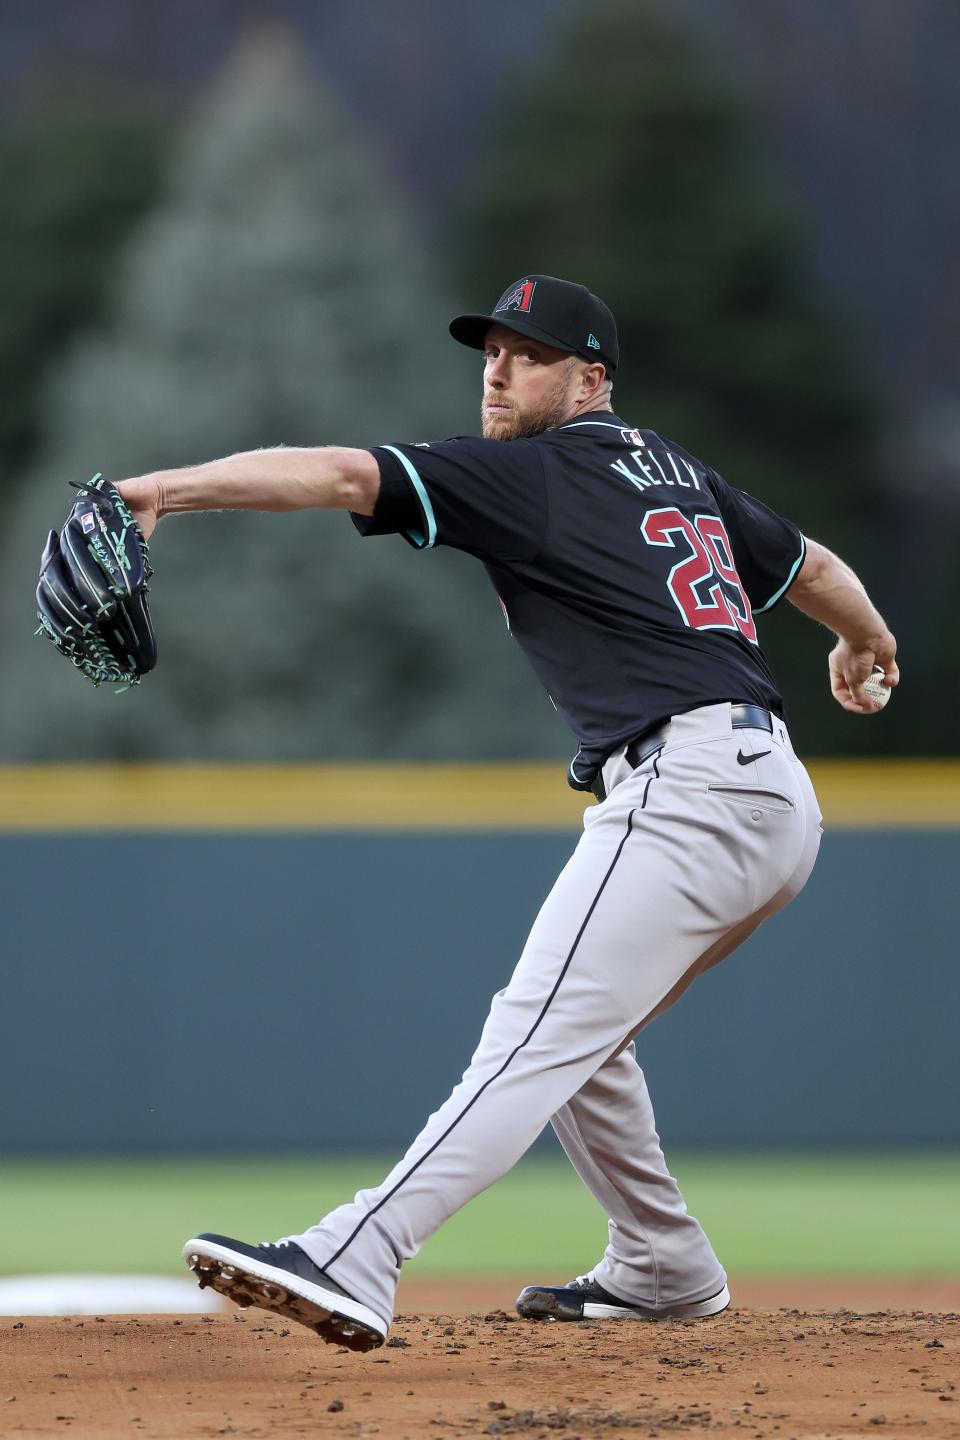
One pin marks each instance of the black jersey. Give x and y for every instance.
(629, 572)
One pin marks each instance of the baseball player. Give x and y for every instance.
(632, 576)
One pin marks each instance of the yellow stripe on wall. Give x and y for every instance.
(854, 795)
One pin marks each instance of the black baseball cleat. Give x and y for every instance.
(282, 1277)
(585, 1299)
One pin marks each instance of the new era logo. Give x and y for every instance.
(88, 522)
(593, 343)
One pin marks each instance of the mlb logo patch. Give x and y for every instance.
(88, 522)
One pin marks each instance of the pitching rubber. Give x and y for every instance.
(335, 1318)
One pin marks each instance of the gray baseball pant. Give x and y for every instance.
(688, 854)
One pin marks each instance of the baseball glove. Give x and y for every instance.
(92, 593)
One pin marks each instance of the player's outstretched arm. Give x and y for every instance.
(331, 478)
(827, 590)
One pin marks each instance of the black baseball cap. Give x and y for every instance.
(558, 312)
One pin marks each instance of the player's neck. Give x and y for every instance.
(589, 407)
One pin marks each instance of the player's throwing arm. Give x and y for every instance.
(864, 657)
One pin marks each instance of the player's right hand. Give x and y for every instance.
(143, 495)
(850, 667)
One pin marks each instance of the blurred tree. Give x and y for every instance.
(278, 295)
(625, 166)
(76, 177)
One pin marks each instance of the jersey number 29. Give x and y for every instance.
(705, 586)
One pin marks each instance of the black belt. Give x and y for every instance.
(742, 717)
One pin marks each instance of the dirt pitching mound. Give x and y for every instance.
(786, 1373)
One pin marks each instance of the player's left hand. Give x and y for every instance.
(143, 497)
(92, 588)
(850, 666)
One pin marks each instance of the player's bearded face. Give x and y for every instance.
(526, 386)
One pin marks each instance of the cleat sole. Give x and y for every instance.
(245, 1290)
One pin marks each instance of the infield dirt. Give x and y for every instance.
(769, 1373)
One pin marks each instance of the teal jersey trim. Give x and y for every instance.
(759, 609)
(423, 497)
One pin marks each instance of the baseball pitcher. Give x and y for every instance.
(631, 575)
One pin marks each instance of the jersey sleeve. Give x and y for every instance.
(487, 497)
(768, 550)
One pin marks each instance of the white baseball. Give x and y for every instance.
(875, 688)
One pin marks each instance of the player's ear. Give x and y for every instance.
(592, 378)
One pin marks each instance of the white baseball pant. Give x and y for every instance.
(688, 854)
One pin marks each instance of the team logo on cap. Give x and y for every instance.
(518, 299)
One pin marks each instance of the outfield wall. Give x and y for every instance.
(302, 957)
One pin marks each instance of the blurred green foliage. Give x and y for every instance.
(278, 293)
(278, 290)
(76, 177)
